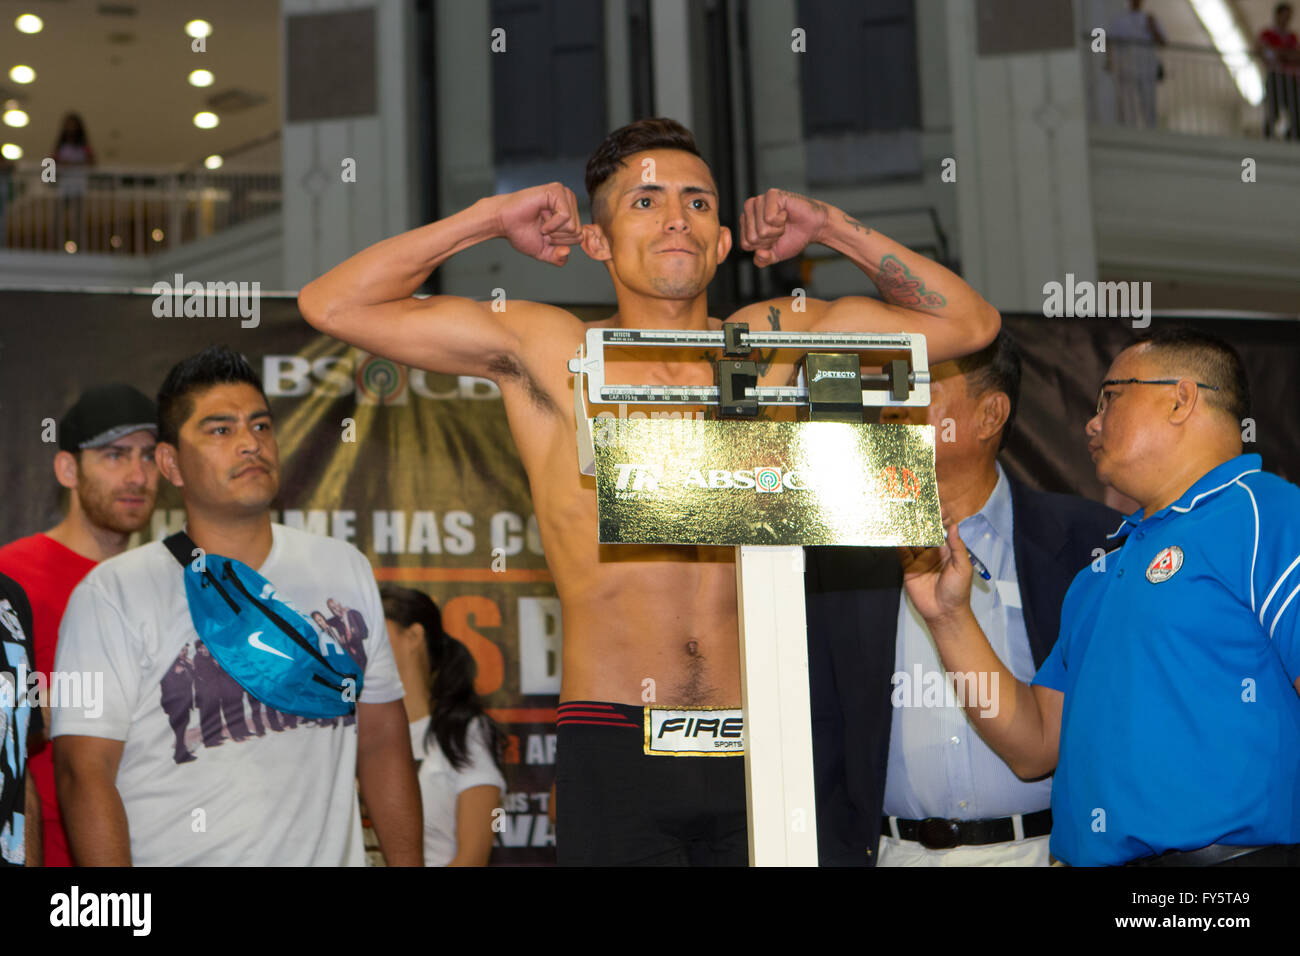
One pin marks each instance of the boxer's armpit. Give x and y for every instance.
(505, 367)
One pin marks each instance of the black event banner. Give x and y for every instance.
(418, 470)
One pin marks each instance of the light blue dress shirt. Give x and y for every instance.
(939, 766)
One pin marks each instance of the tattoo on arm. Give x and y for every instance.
(856, 225)
(899, 286)
(765, 359)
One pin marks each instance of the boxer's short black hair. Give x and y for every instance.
(215, 365)
(995, 368)
(658, 133)
(1206, 358)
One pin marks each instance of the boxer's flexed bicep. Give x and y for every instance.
(442, 333)
(369, 299)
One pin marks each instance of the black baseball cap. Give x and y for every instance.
(104, 414)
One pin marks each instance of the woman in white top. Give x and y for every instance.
(72, 157)
(457, 746)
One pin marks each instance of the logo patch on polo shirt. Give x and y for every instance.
(1165, 565)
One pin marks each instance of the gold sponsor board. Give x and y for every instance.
(685, 481)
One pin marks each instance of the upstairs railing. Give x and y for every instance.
(126, 210)
(1195, 90)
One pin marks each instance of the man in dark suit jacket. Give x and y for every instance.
(862, 663)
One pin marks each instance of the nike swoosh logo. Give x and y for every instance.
(253, 639)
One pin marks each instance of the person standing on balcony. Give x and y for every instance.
(72, 155)
(1133, 64)
(1277, 46)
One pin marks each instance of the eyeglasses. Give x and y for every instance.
(1101, 396)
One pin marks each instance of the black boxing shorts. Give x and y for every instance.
(649, 786)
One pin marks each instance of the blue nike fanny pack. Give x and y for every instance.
(265, 644)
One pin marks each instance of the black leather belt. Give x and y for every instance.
(1217, 854)
(936, 833)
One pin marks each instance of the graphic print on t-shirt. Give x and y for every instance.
(229, 714)
(14, 716)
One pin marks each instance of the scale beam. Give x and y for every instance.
(878, 389)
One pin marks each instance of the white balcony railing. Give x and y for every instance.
(127, 211)
(1195, 90)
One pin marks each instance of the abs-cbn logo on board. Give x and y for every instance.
(763, 479)
(898, 483)
(376, 381)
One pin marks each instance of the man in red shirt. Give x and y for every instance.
(1278, 48)
(105, 461)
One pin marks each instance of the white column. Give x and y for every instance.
(1023, 189)
(669, 39)
(325, 219)
(777, 108)
(618, 86)
(464, 91)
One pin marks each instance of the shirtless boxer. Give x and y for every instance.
(632, 614)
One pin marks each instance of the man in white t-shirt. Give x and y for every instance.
(136, 782)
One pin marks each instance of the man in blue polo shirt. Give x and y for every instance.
(1170, 706)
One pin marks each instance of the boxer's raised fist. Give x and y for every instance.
(541, 221)
(778, 225)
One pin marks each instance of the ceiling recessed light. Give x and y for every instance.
(198, 28)
(11, 151)
(22, 74)
(213, 162)
(206, 120)
(15, 117)
(201, 78)
(29, 23)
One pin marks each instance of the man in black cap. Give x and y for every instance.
(105, 461)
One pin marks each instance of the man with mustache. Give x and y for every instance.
(105, 464)
(285, 799)
(1169, 706)
(643, 625)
